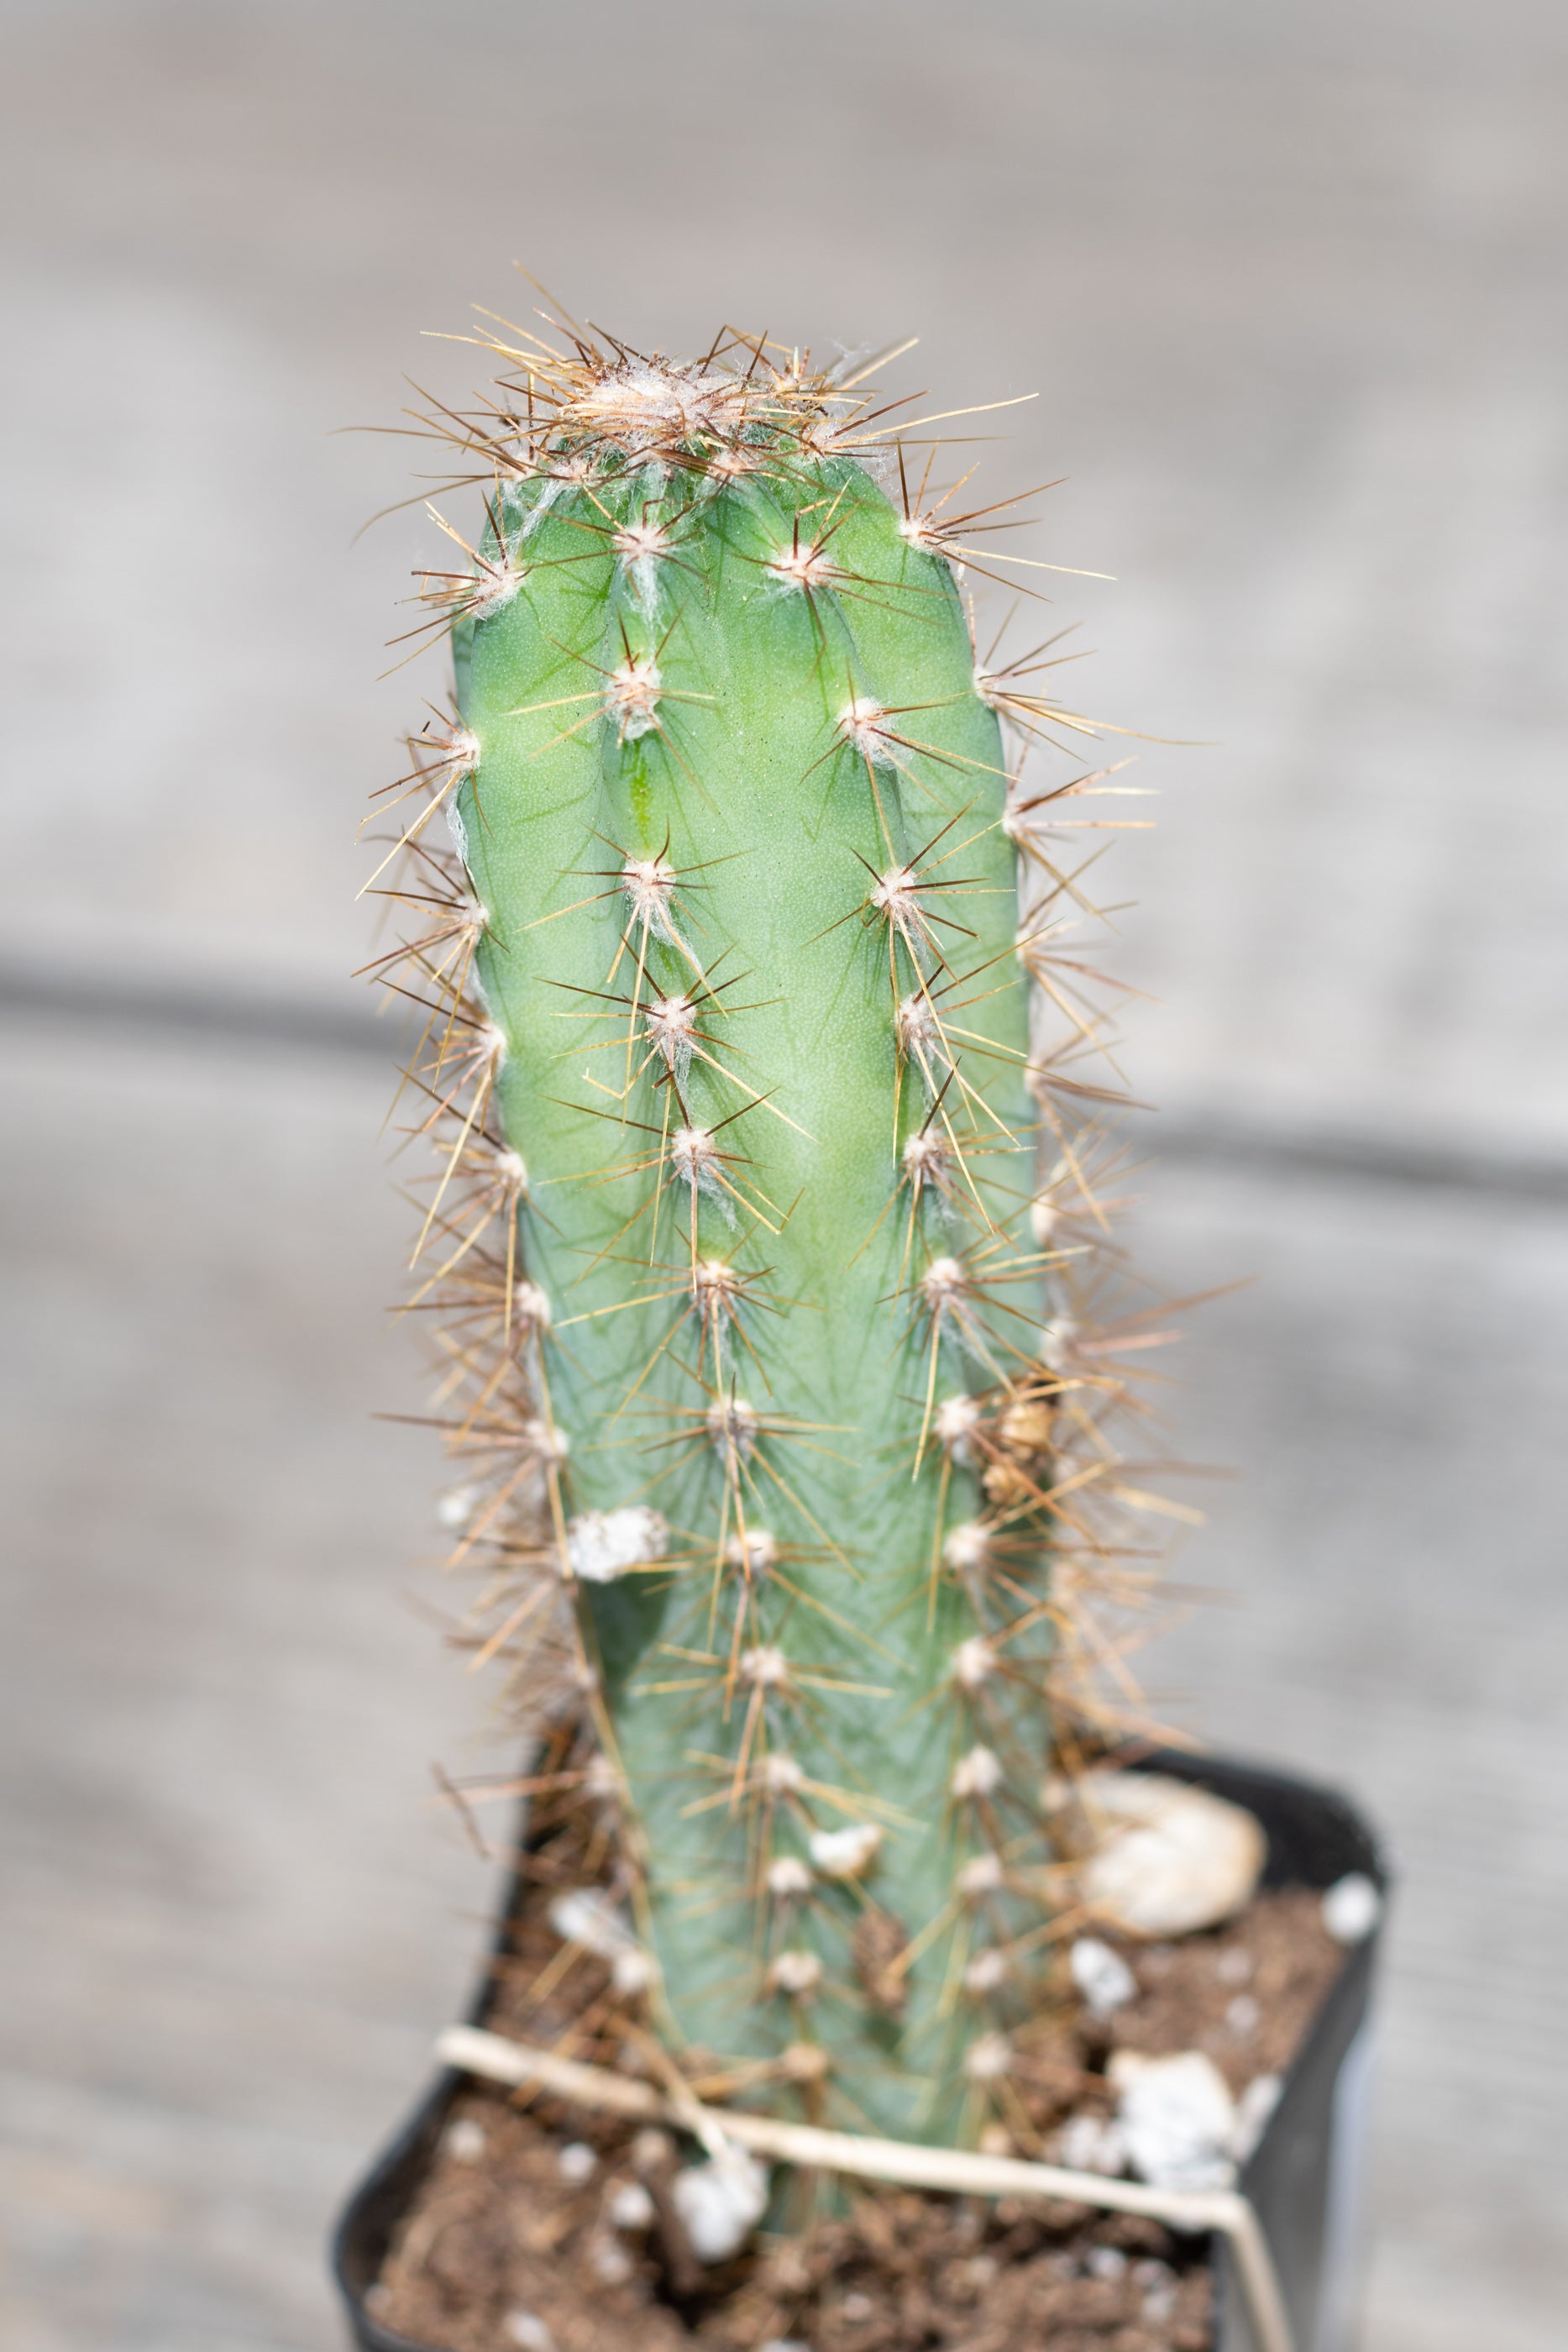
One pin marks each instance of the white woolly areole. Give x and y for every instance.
(1056, 1342)
(755, 1552)
(644, 407)
(634, 540)
(765, 1667)
(988, 2059)
(788, 1877)
(986, 1972)
(957, 1418)
(720, 2203)
(510, 1171)
(455, 750)
(860, 724)
(978, 1774)
(943, 1282)
(602, 1545)
(694, 1156)
(715, 1287)
(781, 1774)
(670, 1024)
(846, 1853)
(922, 530)
(631, 698)
(974, 1663)
(530, 1306)
(494, 586)
(894, 893)
(925, 1159)
(795, 1973)
(983, 1876)
(649, 884)
(548, 1442)
(1044, 1216)
(916, 1023)
(801, 567)
(732, 1426)
(967, 1545)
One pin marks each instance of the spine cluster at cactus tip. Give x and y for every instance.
(779, 1327)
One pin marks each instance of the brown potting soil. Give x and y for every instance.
(522, 2236)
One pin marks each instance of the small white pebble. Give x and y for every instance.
(1350, 1908)
(631, 2207)
(578, 2162)
(1150, 2273)
(720, 2203)
(1105, 2262)
(1241, 2016)
(1158, 2306)
(784, 2344)
(463, 2141)
(1234, 1967)
(1253, 2109)
(1102, 1976)
(611, 2262)
(1091, 2144)
(856, 2307)
(651, 2150)
(1170, 1858)
(528, 2330)
(632, 1972)
(1179, 2118)
(587, 1915)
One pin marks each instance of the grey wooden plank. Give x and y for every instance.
(233, 1920)
(1391, 1614)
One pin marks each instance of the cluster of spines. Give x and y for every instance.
(1036, 1438)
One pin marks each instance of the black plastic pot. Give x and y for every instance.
(1303, 2178)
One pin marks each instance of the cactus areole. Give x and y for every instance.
(766, 1352)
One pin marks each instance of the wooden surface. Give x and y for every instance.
(1290, 281)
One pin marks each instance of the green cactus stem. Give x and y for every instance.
(788, 1425)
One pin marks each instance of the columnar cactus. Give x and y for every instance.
(763, 1331)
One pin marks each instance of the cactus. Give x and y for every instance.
(771, 1356)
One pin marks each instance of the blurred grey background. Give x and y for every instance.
(1290, 283)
